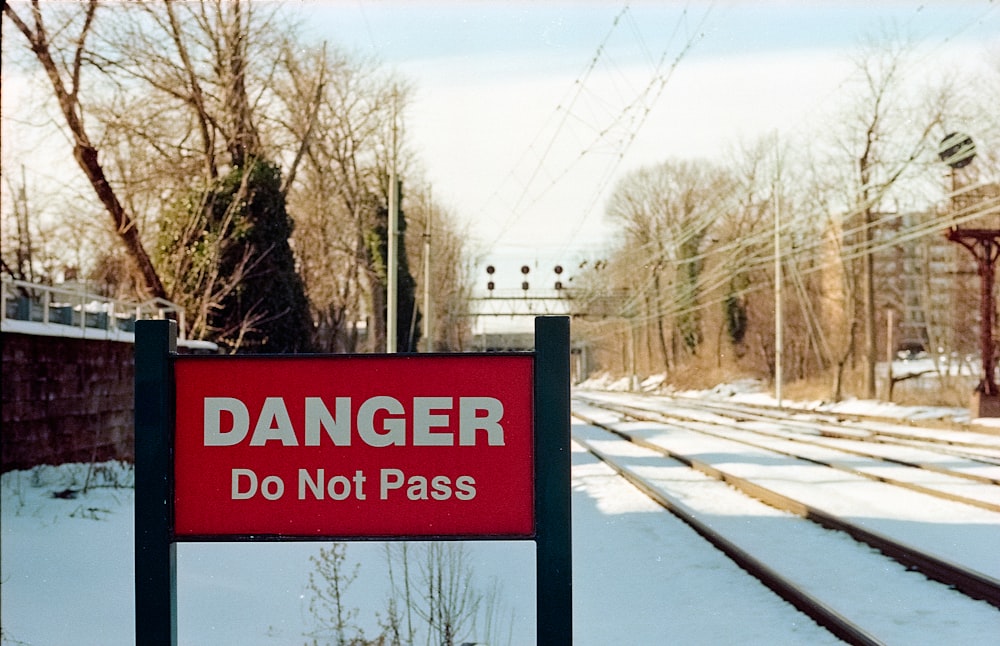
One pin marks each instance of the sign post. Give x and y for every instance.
(155, 555)
(553, 539)
(352, 447)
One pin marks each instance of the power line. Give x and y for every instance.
(623, 123)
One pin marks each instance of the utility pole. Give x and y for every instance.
(428, 319)
(392, 289)
(779, 324)
(868, 268)
(890, 343)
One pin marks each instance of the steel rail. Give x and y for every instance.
(830, 425)
(835, 418)
(661, 417)
(806, 603)
(930, 491)
(971, 583)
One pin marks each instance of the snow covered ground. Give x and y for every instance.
(751, 391)
(66, 574)
(897, 605)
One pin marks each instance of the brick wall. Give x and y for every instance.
(65, 400)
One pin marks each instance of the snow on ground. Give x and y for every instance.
(891, 601)
(67, 575)
(642, 577)
(753, 391)
(66, 572)
(65, 563)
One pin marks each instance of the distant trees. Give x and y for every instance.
(690, 286)
(884, 154)
(667, 213)
(202, 112)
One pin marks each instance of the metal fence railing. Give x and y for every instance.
(73, 306)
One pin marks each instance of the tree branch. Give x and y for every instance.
(83, 151)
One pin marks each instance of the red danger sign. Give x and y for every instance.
(375, 446)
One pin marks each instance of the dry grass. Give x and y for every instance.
(808, 390)
(703, 375)
(953, 392)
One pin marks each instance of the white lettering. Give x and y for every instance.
(442, 488)
(272, 487)
(237, 492)
(389, 479)
(469, 420)
(393, 428)
(337, 487)
(417, 489)
(466, 488)
(380, 421)
(214, 435)
(317, 417)
(424, 420)
(274, 411)
(341, 483)
(359, 485)
(316, 486)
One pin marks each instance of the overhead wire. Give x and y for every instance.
(576, 90)
(852, 252)
(666, 307)
(652, 252)
(633, 115)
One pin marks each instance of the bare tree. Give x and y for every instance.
(885, 149)
(18, 247)
(434, 597)
(343, 195)
(638, 203)
(450, 600)
(180, 94)
(449, 282)
(441, 597)
(328, 584)
(64, 73)
(206, 69)
(667, 212)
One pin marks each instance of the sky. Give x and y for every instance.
(527, 114)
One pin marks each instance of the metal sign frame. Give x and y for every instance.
(155, 539)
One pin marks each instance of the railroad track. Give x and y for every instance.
(638, 445)
(825, 443)
(945, 436)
